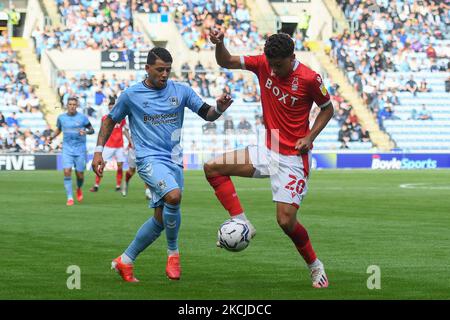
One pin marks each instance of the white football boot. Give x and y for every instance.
(318, 276)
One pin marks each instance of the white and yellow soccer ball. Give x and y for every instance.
(234, 235)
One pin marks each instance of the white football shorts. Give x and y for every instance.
(109, 153)
(288, 174)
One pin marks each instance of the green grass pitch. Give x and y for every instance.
(355, 219)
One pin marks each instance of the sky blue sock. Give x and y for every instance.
(68, 186)
(145, 236)
(80, 183)
(172, 221)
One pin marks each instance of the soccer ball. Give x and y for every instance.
(234, 235)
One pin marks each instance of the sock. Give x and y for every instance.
(172, 252)
(97, 180)
(145, 236)
(68, 187)
(119, 177)
(226, 193)
(315, 264)
(172, 221)
(127, 176)
(241, 216)
(126, 259)
(80, 183)
(300, 238)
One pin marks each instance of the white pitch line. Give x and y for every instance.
(427, 186)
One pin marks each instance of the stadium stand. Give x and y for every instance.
(22, 125)
(194, 19)
(91, 24)
(398, 59)
(95, 91)
(100, 25)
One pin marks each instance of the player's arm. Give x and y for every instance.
(55, 134)
(105, 132)
(210, 113)
(223, 56)
(303, 145)
(89, 129)
(320, 96)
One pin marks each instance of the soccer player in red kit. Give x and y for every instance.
(288, 90)
(113, 148)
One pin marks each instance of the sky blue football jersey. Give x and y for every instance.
(73, 142)
(156, 118)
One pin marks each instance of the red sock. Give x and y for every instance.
(301, 240)
(119, 176)
(97, 180)
(226, 193)
(127, 176)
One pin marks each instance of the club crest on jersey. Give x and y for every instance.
(146, 103)
(294, 84)
(162, 185)
(173, 101)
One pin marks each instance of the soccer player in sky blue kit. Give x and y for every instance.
(155, 110)
(75, 127)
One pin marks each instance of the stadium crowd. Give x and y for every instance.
(91, 24)
(196, 18)
(17, 98)
(392, 36)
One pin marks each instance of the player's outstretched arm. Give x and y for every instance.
(105, 132)
(303, 145)
(223, 57)
(213, 113)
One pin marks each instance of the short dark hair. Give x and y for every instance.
(279, 45)
(159, 53)
(73, 99)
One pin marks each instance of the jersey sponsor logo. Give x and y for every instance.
(157, 119)
(174, 101)
(282, 97)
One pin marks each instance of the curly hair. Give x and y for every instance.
(279, 45)
(159, 53)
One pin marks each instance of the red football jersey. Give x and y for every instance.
(116, 138)
(287, 102)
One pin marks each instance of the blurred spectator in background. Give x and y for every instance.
(244, 126)
(411, 85)
(423, 87)
(365, 136)
(394, 98)
(303, 23)
(228, 125)
(424, 114)
(209, 128)
(344, 134)
(11, 120)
